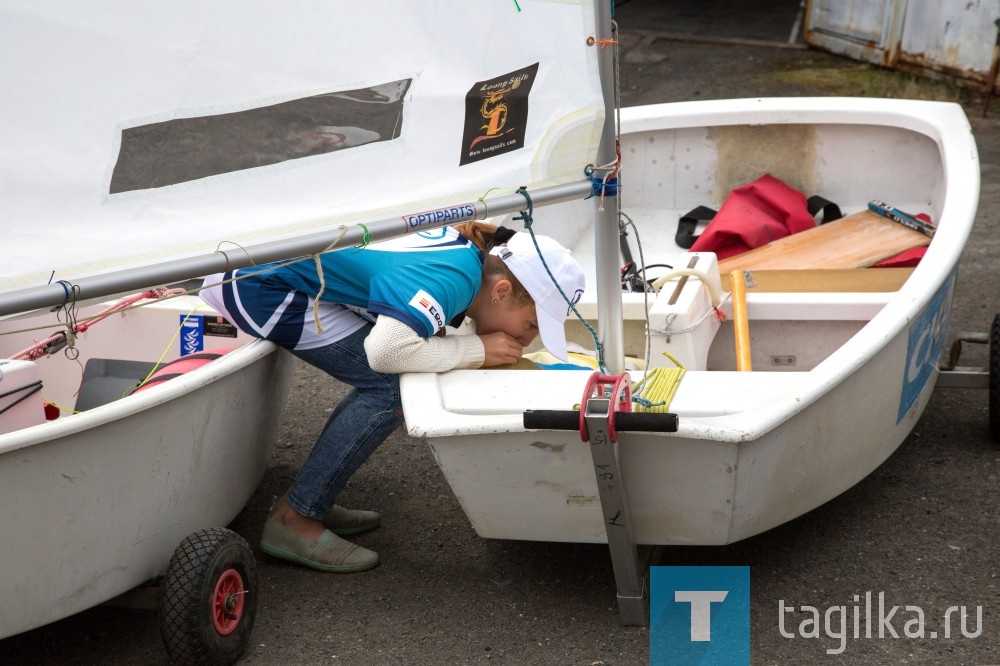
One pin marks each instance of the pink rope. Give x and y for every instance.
(37, 350)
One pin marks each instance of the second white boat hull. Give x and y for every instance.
(96, 502)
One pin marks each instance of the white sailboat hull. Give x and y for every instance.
(839, 379)
(541, 486)
(96, 502)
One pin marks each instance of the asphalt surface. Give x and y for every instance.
(921, 529)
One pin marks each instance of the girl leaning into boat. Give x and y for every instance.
(379, 311)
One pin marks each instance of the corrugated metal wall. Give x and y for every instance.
(955, 38)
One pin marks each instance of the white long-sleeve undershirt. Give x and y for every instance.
(394, 347)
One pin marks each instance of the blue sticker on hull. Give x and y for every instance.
(192, 334)
(927, 338)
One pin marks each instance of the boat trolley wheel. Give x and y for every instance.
(208, 600)
(995, 378)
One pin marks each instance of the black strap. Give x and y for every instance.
(831, 211)
(159, 378)
(198, 356)
(153, 381)
(688, 224)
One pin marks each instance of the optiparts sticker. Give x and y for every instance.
(429, 308)
(450, 215)
(496, 115)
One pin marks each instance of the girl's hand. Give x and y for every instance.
(501, 349)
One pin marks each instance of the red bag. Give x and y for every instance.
(908, 258)
(753, 215)
(904, 259)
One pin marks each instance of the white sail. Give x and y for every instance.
(282, 119)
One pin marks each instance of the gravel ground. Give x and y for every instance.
(921, 528)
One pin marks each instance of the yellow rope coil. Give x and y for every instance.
(659, 386)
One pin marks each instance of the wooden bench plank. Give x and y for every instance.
(825, 280)
(855, 241)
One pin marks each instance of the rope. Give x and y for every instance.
(42, 347)
(714, 293)
(482, 200)
(61, 409)
(605, 186)
(218, 248)
(68, 309)
(526, 215)
(74, 325)
(608, 186)
(645, 292)
(51, 344)
(319, 272)
(667, 331)
(170, 345)
(658, 388)
(72, 291)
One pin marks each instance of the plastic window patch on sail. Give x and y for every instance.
(211, 145)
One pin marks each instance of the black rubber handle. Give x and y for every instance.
(551, 419)
(560, 419)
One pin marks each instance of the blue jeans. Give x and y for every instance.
(362, 421)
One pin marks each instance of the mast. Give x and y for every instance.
(611, 329)
(126, 280)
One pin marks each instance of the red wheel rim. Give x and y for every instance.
(227, 602)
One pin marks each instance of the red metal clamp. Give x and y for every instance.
(620, 393)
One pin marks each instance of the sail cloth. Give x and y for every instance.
(139, 132)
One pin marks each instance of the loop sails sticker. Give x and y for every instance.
(496, 114)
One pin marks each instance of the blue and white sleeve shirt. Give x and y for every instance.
(425, 280)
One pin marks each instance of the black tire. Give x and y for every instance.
(995, 378)
(208, 599)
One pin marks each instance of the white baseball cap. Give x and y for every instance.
(551, 307)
